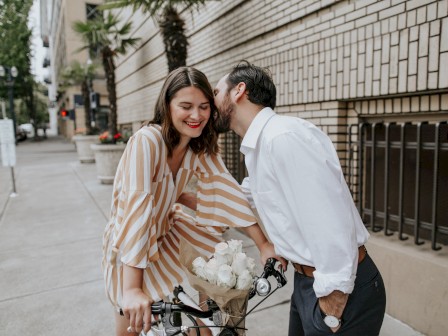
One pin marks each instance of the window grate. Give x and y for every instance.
(401, 179)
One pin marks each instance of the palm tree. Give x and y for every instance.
(77, 74)
(172, 26)
(104, 38)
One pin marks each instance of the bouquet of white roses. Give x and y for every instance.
(228, 267)
(226, 277)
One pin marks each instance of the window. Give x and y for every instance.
(91, 12)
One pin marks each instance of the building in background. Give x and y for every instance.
(374, 76)
(57, 17)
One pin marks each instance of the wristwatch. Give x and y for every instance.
(332, 321)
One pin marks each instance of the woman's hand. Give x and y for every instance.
(136, 304)
(137, 308)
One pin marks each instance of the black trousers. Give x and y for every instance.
(363, 314)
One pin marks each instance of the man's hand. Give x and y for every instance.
(188, 199)
(267, 251)
(333, 304)
(264, 246)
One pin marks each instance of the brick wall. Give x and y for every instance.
(317, 51)
(383, 58)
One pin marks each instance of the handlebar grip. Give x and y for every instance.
(161, 308)
(269, 268)
(156, 308)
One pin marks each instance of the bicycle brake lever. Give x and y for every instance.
(170, 329)
(280, 277)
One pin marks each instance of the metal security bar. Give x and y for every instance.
(402, 179)
(233, 159)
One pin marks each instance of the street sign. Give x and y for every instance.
(7, 143)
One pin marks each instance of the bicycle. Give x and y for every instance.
(169, 322)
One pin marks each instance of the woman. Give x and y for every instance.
(141, 241)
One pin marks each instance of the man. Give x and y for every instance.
(297, 186)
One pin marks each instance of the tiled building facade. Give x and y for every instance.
(349, 67)
(58, 16)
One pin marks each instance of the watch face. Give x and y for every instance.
(331, 321)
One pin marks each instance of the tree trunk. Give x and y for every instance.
(172, 27)
(29, 102)
(87, 109)
(109, 69)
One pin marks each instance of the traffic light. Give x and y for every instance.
(94, 100)
(64, 113)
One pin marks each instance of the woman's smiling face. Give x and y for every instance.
(190, 112)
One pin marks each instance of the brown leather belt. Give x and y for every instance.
(308, 270)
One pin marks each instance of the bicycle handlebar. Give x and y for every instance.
(261, 285)
(166, 308)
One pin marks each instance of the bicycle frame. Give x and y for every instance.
(184, 304)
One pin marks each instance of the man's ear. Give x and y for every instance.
(240, 90)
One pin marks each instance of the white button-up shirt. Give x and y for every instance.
(297, 186)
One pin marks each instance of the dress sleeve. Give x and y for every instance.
(221, 202)
(135, 229)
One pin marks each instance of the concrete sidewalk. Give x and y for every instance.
(50, 251)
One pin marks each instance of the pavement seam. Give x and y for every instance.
(50, 290)
(49, 246)
(16, 179)
(4, 209)
(106, 217)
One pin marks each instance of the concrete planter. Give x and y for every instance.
(107, 157)
(83, 143)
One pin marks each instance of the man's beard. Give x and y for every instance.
(224, 116)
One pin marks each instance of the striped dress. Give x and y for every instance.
(146, 224)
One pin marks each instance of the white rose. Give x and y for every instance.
(251, 266)
(211, 271)
(239, 264)
(223, 254)
(199, 267)
(235, 246)
(244, 280)
(226, 278)
(221, 259)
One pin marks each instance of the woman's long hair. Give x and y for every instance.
(178, 79)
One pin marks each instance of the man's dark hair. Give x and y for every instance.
(259, 85)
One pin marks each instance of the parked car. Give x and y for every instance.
(21, 134)
(28, 128)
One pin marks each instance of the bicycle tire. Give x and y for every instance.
(198, 333)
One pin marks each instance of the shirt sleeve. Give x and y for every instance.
(135, 228)
(314, 190)
(221, 202)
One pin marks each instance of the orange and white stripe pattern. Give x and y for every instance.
(146, 224)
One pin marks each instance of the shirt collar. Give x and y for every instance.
(255, 128)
